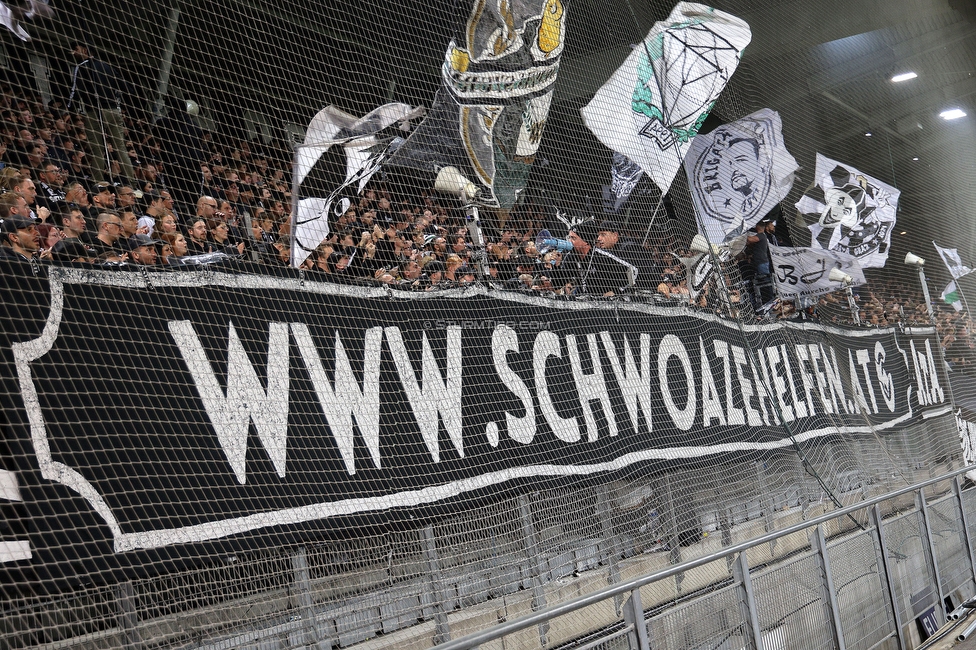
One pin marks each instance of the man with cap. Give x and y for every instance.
(142, 250)
(19, 238)
(103, 196)
(591, 271)
(434, 273)
(608, 239)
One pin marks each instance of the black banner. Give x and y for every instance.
(163, 414)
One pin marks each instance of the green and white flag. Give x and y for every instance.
(951, 296)
(653, 105)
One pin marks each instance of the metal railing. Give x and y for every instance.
(935, 544)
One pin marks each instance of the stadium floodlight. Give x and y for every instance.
(952, 114)
(904, 76)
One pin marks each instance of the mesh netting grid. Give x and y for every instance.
(435, 415)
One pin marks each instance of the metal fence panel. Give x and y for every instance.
(953, 557)
(712, 621)
(790, 603)
(860, 583)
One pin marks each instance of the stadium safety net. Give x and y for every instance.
(365, 313)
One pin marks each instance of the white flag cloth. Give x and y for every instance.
(653, 105)
(738, 173)
(950, 256)
(850, 211)
(363, 153)
(700, 268)
(334, 126)
(950, 295)
(805, 272)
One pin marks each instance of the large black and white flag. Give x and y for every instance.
(653, 105)
(497, 81)
(805, 272)
(850, 212)
(738, 173)
(363, 151)
(953, 262)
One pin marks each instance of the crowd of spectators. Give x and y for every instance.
(82, 182)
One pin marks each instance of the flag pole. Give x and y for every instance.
(963, 296)
(647, 233)
(293, 217)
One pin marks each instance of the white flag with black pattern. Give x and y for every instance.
(850, 212)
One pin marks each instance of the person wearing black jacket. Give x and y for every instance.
(182, 152)
(196, 242)
(95, 90)
(19, 238)
(50, 186)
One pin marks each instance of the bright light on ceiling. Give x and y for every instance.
(952, 114)
(905, 76)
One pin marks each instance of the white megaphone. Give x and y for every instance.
(451, 181)
(545, 242)
(836, 275)
(700, 244)
(912, 259)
